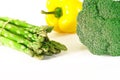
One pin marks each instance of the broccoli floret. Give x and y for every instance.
(98, 26)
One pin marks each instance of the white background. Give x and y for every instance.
(75, 64)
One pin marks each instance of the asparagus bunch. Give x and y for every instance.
(28, 38)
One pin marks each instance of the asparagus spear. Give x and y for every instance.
(31, 28)
(19, 47)
(33, 38)
(40, 31)
(18, 22)
(36, 46)
(19, 39)
(19, 31)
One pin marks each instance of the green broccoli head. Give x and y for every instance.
(98, 26)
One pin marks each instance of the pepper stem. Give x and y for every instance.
(44, 12)
(57, 12)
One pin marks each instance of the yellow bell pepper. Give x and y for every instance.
(62, 14)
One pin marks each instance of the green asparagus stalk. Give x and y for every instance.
(34, 39)
(29, 27)
(19, 31)
(35, 46)
(19, 39)
(17, 22)
(19, 47)
(40, 31)
(58, 45)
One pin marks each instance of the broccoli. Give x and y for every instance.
(98, 26)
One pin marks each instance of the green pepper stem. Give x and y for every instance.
(57, 12)
(44, 12)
